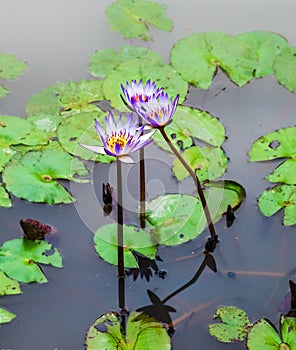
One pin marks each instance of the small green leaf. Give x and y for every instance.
(33, 176)
(276, 198)
(284, 68)
(263, 336)
(19, 258)
(142, 332)
(105, 240)
(285, 172)
(152, 68)
(197, 57)
(288, 331)
(10, 66)
(191, 123)
(208, 162)
(79, 128)
(6, 316)
(132, 18)
(66, 98)
(8, 286)
(278, 144)
(234, 325)
(267, 45)
(4, 198)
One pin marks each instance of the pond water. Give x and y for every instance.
(56, 39)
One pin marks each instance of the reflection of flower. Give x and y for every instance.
(159, 110)
(120, 139)
(136, 94)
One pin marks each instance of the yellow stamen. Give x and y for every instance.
(120, 138)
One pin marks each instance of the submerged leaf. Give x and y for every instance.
(276, 198)
(33, 176)
(142, 332)
(284, 68)
(105, 240)
(132, 18)
(6, 316)
(8, 286)
(67, 98)
(19, 258)
(234, 324)
(3, 91)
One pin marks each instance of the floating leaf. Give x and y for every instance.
(197, 57)
(146, 68)
(234, 324)
(285, 172)
(284, 68)
(67, 98)
(278, 144)
(79, 128)
(19, 258)
(4, 198)
(176, 219)
(132, 18)
(142, 332)
(10, 67)
(6, 153)
(8, 286)
(103, 62)
(6, 316)
(276, 198)
(267, 45)
(105, 240)
(191, 123)
(45, 123)
(33, 176)
(208, 162)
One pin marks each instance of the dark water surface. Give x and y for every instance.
(56, 39)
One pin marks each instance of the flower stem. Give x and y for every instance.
(196, 181)
(142, 186)
(120, 251)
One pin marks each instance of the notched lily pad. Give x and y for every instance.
(10, 66)
(33, 176)
(234, 326)
(19, 259)
(6, 316)
(67, 98)
(285, 172)
(284, 68)
(142, 332)
(8, 286)
(105, 240)
(133, 18)
(276, 198)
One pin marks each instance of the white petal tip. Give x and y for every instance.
(126, 159)
(95, 149)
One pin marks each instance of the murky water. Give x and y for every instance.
(56, 38)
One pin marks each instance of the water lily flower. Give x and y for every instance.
(121, 138)
(159, 110)
(136, 94)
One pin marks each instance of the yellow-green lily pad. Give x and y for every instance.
(8, 286)
(6, 316)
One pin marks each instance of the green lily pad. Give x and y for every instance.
(45, 123)
(103, 62)
(6, 316)
(66, 98)
(19, 259)
(191, 123)
(276, 198)
(105, 240)
(208, 162)
(175, 219)
(234, 326)
(267, 45)
(288, 331)
(10, 66)
(3, 91)
(80, 128)
(6, 153)
(284, 68)
(8, 286)
(132, 18)
(146, 68)
(285, 172)
(278, 144)
(33, 176)
(197, 57)
(142, 332)
(5, 201)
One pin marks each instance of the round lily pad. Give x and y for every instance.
(33, 176)
(284, 68)
(10, 66)
(79, 128)
(105, 240)
(263, 336)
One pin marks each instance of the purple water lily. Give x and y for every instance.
(159, 110)
(137, 94)
(121, 138)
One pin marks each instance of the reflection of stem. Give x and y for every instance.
(195, 179)
(142, 185)
(120, 252)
